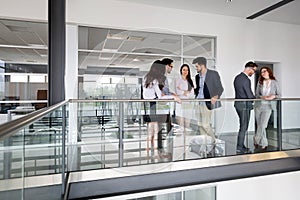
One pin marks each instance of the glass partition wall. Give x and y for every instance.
(112, 62)
(23, 66)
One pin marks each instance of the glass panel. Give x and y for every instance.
(12, 166)
(290, 124)
(266, 115)
(44, 145)
(203, 194)
(98, 133)
(23, 50)
(112, 53)
(170, 196)
(100, 81)
(117, 40)
(197, 46)
(34, 151)
(174, 132)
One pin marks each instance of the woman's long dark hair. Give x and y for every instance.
(157, 71)
(261, 78)
(188, 77)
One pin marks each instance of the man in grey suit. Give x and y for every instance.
(242, 87)
(208, 86)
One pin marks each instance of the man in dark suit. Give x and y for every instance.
(242, 87)
(208, 86)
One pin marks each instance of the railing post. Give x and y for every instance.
(63, 171)
(7, 158)
(121, 132)
(279, 125)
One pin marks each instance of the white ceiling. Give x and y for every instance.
(23, 42)
(289, 13)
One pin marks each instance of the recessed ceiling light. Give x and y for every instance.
(116, 36)
(135, 38)
(18, 29)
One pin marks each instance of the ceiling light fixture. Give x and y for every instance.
(135, 38)
(116, 36)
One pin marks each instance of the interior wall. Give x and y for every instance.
(36, 10)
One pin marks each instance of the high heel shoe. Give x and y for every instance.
(264, 149)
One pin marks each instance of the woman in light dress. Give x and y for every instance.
(184, 89)
(267, 89)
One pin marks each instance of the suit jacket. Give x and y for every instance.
(242, 87)
(274, 90)
(212, 87)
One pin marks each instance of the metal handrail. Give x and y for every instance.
(11, 127)
(25, 101)
(169, 100)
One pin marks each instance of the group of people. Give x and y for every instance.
(209, 88)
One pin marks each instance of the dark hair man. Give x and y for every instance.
(208, 86)
(242, 87)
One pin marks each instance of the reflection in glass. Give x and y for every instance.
(129, 54)
(23, 50)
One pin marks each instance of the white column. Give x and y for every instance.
(71, 89)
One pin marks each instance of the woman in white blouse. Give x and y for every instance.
(153, 84)
(184, 88)
(267, 89)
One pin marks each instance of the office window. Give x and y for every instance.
(23, 58)
(110, 53)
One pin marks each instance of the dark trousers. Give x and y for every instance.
(159, 137)
(244, 118)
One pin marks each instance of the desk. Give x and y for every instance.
(20, 110)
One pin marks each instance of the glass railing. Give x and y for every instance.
(80, 135)
(13, 109)
(128, 132)
(33, 146)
